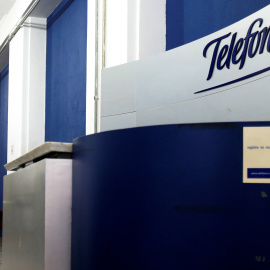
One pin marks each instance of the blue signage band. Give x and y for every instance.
(235, 81)
(258, 173)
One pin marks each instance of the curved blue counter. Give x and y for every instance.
(169, 198)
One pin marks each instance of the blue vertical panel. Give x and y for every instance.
(66, 71)
(3, 127)
(167, 197)
(188, 20)
(174, 24)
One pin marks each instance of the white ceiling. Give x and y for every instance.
(42, 10)
(5, 6)
(45, 8)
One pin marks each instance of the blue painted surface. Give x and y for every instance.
(66, 72)
(258, 173)
(188, 20)
(167, 197)
(3, 127)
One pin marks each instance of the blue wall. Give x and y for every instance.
(3, 127)
(66, 71)
(188, 20)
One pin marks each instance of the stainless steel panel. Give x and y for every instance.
(37, 217)
(58, 214)
(24, 219)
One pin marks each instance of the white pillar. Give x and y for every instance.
(116, 32)
(133, 35)
(27, 81)
(134, 30)
(152, 38)
(91, 67)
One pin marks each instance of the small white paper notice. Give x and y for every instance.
(256, 155)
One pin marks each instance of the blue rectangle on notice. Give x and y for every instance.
(259, 173)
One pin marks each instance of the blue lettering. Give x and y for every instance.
(214, 57)
(248, 36)
(238, 51)
(228, 61)
(221, 56)
(265, 33)
(250, 53)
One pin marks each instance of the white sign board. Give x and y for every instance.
(222, 77)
